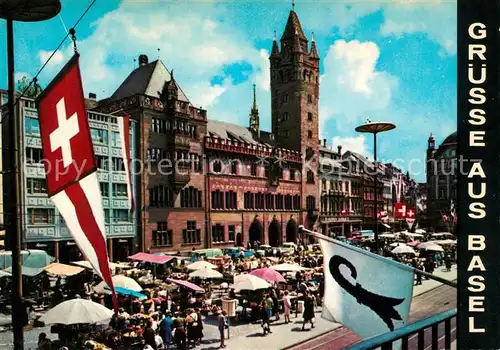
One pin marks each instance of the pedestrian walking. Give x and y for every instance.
(308, 311)
(286, 307)
(266, 327)
(222, 325)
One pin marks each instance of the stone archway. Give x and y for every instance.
(274, 233)
(256, 232)
(291, 231)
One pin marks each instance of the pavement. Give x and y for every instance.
(245, 336)
(428, 285)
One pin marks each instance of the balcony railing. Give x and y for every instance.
(405, 334)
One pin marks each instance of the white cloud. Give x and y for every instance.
(351, 87)
(57, 59)
(436, 19)
(355, 144)
(187, 40)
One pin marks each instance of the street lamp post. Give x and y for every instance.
(23, 11)
(375, 128)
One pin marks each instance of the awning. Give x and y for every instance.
(187, 285)
(27, 271)
(151, 258)
(128, 292)
(62, 269)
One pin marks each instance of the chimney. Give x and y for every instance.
(339, 149)
(143, 60)
(92, 96)
(324, 142)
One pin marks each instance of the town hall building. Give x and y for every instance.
(231, 184)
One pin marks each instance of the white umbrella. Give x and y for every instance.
(430, 246)
(119, 281)
(205, 272)
(200, 265)
(403, 249)
(77, 311)
(442, 234)
(446, 242)
(249, 282)
(387, 235)
(286, 267)
(421, 231)
(396, 244)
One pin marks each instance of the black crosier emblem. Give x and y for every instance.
(383, 306)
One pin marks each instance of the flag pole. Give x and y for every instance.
(318, 235)
(13, 227)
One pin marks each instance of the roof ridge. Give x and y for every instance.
(176, 84)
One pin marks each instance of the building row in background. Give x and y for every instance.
(205, 183)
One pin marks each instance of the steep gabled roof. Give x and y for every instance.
(149, 80)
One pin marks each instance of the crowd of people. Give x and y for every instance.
(176, 315)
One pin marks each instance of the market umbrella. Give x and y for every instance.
(200, 264)
(403, 249)
(396, 244)
(205, 272)
(59, 269)
(119, 281)
(286, 267)
(269, 275)
(446, 242)
(249, 282)
(77, 311)
(431, 246)
(387, 235)
(413, 244)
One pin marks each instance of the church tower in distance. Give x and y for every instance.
(294, 105)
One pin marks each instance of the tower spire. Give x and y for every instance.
(275, 51)
(314, 50)
(254, 114)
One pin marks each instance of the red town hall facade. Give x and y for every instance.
(214, 184)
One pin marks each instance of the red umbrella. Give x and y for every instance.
(269, 275)
(413, 244)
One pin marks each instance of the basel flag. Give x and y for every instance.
(70, 166)
(365, 292)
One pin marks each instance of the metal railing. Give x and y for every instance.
(405, 334)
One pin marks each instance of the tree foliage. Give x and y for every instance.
(33, 91)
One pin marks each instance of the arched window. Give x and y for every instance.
(310, 203)
(310, 177)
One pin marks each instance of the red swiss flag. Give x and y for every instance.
(410, 213)
(400, 210)
(66, 141)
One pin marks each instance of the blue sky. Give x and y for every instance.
(390, 61)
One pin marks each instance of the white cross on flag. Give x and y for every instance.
(70, 166)
(410, 216)
(400, 210)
